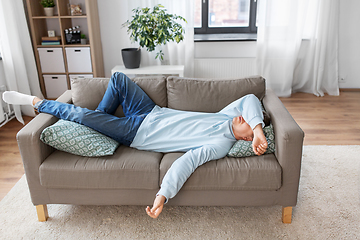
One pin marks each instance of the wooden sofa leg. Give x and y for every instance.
(42, 212)
(286, 214)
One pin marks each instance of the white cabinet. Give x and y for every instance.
(78, 59)
(55, 85)
(71, 76)
(51, 60)
(151, 70)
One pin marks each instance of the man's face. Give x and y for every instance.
(242, 130)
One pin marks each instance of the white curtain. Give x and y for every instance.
(17, 53)
(297, 45)
(175, 54)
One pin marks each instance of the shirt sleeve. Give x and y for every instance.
(249, 107)
(185, 165)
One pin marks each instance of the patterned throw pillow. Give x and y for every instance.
(78, 139)
(244, 148)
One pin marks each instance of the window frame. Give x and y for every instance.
(216, 30)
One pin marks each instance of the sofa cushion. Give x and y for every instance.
(88, 92)
(210, 95)
(250, 173)
(244, 148)
(155, 88)
(78, 139)
(128, 168)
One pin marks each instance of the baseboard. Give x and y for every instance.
(349, 89)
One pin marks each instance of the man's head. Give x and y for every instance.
(242, 129)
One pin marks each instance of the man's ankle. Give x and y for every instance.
(36, 100)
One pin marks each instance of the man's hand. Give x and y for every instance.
(259, 143)
(158, 205)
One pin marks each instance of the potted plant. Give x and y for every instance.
(48, 7)
(83, 39)
(151, 29)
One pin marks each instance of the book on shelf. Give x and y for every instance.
(51, 43)
(50, 40)
(57, 38)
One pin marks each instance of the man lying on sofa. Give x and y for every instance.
(146, 126)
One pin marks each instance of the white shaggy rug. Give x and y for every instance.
(328, 208)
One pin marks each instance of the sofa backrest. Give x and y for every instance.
(88, 92)
(202, 95)
(210, 95)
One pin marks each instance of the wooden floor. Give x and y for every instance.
(328, 120)
(11, 167)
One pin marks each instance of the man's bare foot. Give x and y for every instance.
(158, 205)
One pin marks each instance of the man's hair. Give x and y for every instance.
(267, 118)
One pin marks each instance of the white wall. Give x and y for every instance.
(111, 13)
(349, 44)
(225, 60)
(112, 16)
(229, 50)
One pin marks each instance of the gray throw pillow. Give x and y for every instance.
(78, 139)
(244, 148)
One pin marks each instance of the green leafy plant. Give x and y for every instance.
(47, 3)
(83, 36)
(154, 28)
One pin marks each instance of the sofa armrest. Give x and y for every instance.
(33, 151)
(289, 144)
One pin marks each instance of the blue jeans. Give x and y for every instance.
(121, 91)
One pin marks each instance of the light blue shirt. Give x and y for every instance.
(203, 136)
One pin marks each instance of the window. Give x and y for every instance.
(229, 16)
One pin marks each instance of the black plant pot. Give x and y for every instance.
(131, 57)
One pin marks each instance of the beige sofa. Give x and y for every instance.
(133, 177)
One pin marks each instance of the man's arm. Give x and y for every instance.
(259, 142)
(180, 171)
(249, 107)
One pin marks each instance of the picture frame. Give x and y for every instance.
(51, 33)
(75, 10)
